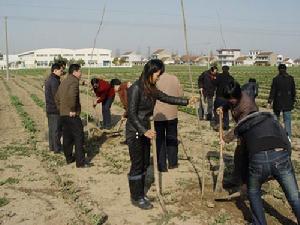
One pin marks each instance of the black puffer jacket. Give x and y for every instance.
(205, 81)
(283, 92)
(140, 108)
(260, 131)
(221, 81)
(51, 86)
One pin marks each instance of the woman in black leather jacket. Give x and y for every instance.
(142, 96)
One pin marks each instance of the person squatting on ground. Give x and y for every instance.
(54, 124)
(142, 96)
(207, 91)
(68, 102)
(251, 88)
(283, 97)
(165, 122)
(105, 94)
(268, 150)
(220, 82)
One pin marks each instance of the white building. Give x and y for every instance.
(161, 53)
(228, 56)
(44, 57)
(279, 59)
(131, 58)
(253, 53)
(288, 62)
(13, 61)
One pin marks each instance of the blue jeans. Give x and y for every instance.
(106, 114)
(287, 120)
(277, 164)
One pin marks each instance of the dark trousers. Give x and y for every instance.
(106, 114)
(220, 102)
(139, 151)
(264, 164)
(166, 143)
(241, 164)
(55, 132)
(73, 135)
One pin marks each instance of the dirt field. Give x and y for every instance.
(37, 187)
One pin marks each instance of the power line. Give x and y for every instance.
(151, 13)
(212, 28)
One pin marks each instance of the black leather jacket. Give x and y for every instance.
(140, 108)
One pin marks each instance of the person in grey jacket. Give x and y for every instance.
(54, 125)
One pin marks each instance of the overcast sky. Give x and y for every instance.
(269, 25)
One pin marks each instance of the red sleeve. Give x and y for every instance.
(103, 90)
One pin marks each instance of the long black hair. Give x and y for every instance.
(151, 67)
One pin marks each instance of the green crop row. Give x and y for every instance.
(39, 102)
(28, 123)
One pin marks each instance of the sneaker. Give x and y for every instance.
(142, 203)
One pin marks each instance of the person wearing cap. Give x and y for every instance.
(283, 97)
(220, 82)
(207, 91)
(105, 94)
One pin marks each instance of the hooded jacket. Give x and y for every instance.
(260, 131)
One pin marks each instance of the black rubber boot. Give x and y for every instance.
(144, 182)
(137, 194)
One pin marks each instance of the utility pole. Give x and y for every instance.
(149, 52)
(6, 44)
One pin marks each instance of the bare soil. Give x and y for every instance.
(42, 189)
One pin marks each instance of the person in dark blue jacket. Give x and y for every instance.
(54, 125)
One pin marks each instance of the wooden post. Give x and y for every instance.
(219, 182)
(6, 48)
(157, 174)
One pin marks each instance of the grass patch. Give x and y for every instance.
(14, 150)
(3, 201)
(9, 180)
(28, 123)
(39, 102)
(15, 167)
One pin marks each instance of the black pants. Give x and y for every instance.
(55, 132)
(220, 102)
(139, 151)
(73, 135)
(166, 143)
(241, 164)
